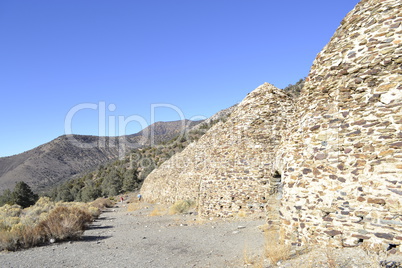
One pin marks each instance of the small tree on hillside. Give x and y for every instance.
(6, 198)
(23, 195)
(89, 192)
(112, 183)
(130, 180)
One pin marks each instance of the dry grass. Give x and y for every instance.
(373, 251)
(252, 260)
(241, 214)
(331, 262)
(159, 210)
(275, 248)
(136, 206)
(372, 248)
(181, 206)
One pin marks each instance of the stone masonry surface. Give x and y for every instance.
(228, 170)
(326, 167)
(341, 169)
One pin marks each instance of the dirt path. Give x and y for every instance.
(134, 239)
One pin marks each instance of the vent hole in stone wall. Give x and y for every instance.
(233, 198)
(361, 219)
(391, 246)
(263, 198)
(248, 197)
(277, 175)
(239, 207)
(221, 197)
(276, 184)
(221, 207)
(361, 240)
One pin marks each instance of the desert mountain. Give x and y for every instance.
(323, 168)
(69, 155)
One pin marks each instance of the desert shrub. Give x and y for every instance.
(102, 203)
(181, 206)
(65, 223)
(37, 212)
(26, 236)
(10, 211)
(6, 198)
(296, 88)
(8, 240)
(28, 227)
(9, 216)
(95, 212)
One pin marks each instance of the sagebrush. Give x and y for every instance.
(46, 221)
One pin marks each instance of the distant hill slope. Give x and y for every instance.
(61, 158)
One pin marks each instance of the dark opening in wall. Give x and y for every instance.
(361, 219)
(324, 214)
(275, 183)
(391, 246)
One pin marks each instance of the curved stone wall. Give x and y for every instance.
(342, 168)
(229, 170)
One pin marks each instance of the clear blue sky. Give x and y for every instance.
(198, 55)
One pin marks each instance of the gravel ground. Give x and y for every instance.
(134, 239)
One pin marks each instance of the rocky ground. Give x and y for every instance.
(122, 238)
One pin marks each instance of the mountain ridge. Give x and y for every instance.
(68, 155)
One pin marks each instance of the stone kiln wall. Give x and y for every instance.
(326, 168)
(229, 170)
(342, 166)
